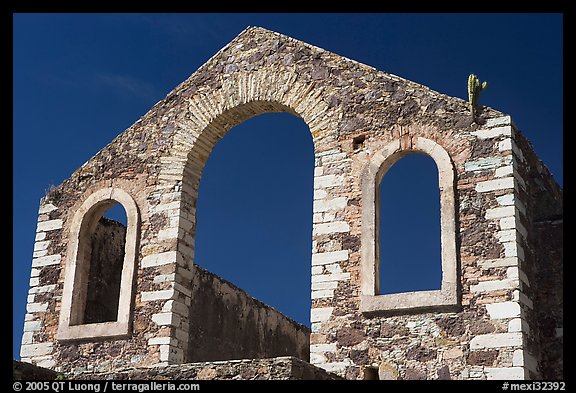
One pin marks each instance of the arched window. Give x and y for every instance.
(409, 227)
(408, 299)
(237, 225)
(98, 284)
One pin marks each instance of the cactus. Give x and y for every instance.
(474, 90)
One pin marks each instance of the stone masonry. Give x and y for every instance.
(499, 313)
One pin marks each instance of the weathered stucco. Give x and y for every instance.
(506, 206)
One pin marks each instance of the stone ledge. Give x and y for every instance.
(22, 371)
(280, 368)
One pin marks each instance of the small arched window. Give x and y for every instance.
(372, 301)
(99, 276)
(409, 227)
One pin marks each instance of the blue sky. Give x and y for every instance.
(81, 79)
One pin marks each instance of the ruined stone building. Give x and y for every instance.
(115, 300)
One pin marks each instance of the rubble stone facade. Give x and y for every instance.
(498, 314)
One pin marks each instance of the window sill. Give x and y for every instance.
(95, 331)
(409, 302)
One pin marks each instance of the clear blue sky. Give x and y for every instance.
(81, 79)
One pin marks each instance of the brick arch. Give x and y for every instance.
(212, 114)
(242, 96)
(209, 116)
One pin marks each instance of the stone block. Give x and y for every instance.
(175, 306)
(511, 249)
(498, 121)
(320, 314)
(331, 227)
(320, 194)
(494, 132)
(317, 270)
(504, 373)
(496, 285)
(325, 205)
(27, 338)
(504, 171)
(518, 325)
(46, 260)
(333, 158)
(333, 268)
(503, 310)
(33, 350)
(328, 181)
(38, 254)
(316, 286)
(496, 184)
(330, 277)
(166, 319)
(158, 295)
(507, 223)
(482, 164)
(49, 225)
(452, 353)
(36, 307)
(499, 212)
(505, 145)
(499, 262)
(173, 205)
(182, 289)
(168, 233)
(164, 278)
(508, 235)
(163, 258)
(43, 245)
(326, 258)
(43, 289)
(505, 200)
(388, 371)
(324, 293)
(47, 208)
(162, 341)
(496, 340)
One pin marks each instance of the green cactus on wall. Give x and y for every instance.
(474, 90)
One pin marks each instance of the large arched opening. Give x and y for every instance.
(254, 212)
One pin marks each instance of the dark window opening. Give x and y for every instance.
(358, 142)
(371, 374)
(107, 244)
(410, 244)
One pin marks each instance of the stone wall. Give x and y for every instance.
(226, 323)
(107, 257)
(506, 209)
(280, 368)
(28, 372)
(543, 263)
